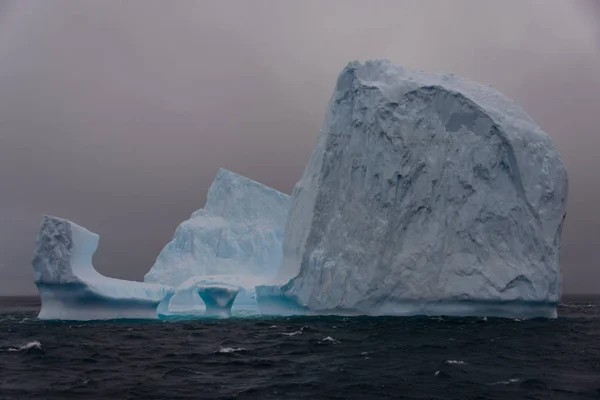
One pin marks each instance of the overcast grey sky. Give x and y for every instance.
(117, 114)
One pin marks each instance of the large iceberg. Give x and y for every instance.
(426, 194)
(236, 239)
(71, 289)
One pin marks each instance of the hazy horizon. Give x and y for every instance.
(117, 115)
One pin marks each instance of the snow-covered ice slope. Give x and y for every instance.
(426, 194)
(71, 289)
(237, 237)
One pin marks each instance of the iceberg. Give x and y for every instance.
(236, 239)
(425, 194)
(71, 289)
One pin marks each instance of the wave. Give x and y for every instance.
(329, 339)
(508, 382)
(458, 362)
(35, 345)
(230, 350)
(292, 333)
(300, 332)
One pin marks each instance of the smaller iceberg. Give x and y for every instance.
(71, 289)
(188, 301)
(236, 239)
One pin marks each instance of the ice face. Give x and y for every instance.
(426, 194)
(235, 238)
(71, 289)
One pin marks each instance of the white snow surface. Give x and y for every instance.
(71, 289)
(238, 232)
(426, 194)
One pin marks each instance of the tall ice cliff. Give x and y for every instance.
(426, 194)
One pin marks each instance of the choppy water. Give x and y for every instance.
(302, 358)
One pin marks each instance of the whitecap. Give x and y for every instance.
(230, 349)
(31, 345)
(329, 339)
(458, 362)
(508, 382)
(292, 333)
(300, 332)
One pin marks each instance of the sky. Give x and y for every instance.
(118, 114)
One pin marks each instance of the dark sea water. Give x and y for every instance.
(302, 357)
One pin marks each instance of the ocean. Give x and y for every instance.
(302, 357)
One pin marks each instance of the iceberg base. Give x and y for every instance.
(471, 308)
(273, 300)
(77, 303)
